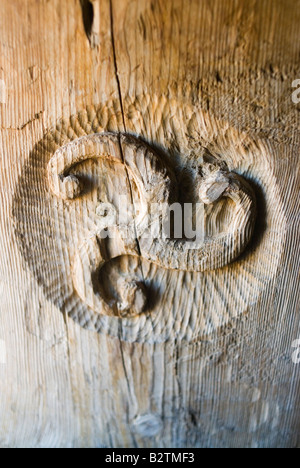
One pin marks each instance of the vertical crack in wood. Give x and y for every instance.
(129, 386)
(124, 126)
(115, 62)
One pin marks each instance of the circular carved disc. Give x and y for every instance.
(182, 305)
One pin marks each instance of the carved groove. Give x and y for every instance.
(156, 183)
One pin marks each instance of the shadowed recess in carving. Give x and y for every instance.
(91, 21)
(157, 186)
(87, 16)
(179, 304)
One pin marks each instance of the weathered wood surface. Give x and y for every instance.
(213, 368)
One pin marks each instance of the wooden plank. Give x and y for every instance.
(189, 77)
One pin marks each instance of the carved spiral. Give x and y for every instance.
(156, 183)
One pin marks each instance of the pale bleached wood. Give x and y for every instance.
(228, 66)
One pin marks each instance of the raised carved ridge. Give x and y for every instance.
(156, 184)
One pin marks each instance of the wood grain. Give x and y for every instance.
(210, 74)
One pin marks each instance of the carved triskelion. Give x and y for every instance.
(156, 186)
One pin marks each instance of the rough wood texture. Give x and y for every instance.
(212, 365)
